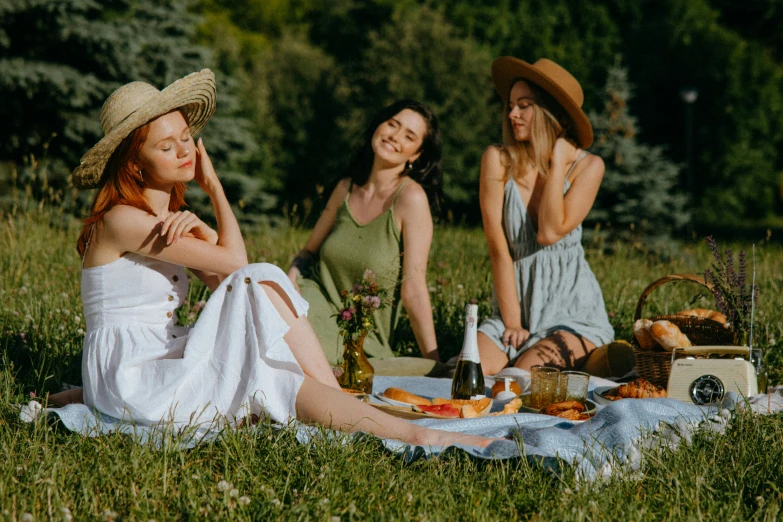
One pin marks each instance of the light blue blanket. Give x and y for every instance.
(595, 447)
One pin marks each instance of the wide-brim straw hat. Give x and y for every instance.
(552, 78)
(137, 103)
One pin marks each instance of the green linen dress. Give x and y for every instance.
(350, 249)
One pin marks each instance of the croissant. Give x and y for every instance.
(669, 335)
(637, 389)
(705, 313)
(641, 330)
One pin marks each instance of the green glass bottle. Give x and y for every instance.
(468, 380)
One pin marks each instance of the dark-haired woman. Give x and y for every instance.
(379, 218)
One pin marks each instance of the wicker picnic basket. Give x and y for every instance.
(655, 365)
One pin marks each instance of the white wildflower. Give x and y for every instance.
(66, 513)
(410, 496)
(26, 517)
(244, 500)
(223, 486)
(30, 411)
(233, 493)
(276, 502)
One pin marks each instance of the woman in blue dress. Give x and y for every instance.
(535, 191)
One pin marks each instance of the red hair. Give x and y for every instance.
(122, 184)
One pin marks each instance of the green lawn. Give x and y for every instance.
(268, 475)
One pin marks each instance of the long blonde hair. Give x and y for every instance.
(549, 122)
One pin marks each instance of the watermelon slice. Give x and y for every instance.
(441, 410)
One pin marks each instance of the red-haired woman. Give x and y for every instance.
(252, 351)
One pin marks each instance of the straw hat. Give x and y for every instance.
(552, 78)
(137, 103)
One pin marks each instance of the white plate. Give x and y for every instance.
(598, 395)
(387, 400)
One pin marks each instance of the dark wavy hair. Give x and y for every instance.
(427, 170)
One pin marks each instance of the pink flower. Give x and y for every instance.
(368, 276)
(346, 315)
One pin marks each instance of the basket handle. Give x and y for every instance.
(662, 281)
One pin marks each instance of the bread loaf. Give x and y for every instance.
(705, 313)
(668, 335)
(398, 394)
(641, 330)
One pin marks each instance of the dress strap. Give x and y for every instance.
(397, 192)
(87, 244)
(584, 153)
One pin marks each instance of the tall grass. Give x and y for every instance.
(264, 473)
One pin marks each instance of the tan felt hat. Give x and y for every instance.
(555, 80)
(136, 103)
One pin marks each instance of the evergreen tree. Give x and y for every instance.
(60, 60)
(639, 195)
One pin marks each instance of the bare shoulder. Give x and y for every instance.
(591, 166)
(412, 195)
(492, 163)
(130, 220)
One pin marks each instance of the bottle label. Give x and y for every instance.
(477, 397)
(469, 355)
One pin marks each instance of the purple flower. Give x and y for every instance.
(372, 301)
(346, 315)
(357, 288)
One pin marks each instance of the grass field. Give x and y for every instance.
(262, 474)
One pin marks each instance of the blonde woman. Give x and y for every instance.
(252, 351)
(535, 191)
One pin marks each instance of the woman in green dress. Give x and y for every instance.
(378, 217)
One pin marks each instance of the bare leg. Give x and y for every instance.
(562, 350)
(72, 396)
(492, 359)
(301, 338)
(321, 404)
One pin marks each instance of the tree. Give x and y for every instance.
(60, 60)
(639, 196)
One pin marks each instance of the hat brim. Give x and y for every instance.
(195, 95)
(506, 69)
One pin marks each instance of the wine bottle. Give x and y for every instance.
(468, 380)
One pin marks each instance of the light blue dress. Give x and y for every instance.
(556, 288)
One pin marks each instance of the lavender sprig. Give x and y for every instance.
(729, 286)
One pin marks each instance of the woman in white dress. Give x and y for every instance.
(252, 351)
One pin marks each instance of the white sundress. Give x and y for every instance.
(139, 365)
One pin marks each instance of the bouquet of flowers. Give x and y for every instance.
(356, 318)
(733, 296)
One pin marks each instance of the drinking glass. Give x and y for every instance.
(762, 378)
(573, 387)
(543, 386)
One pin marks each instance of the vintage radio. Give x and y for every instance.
(704, 374)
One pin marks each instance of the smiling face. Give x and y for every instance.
(521, 102)
(399, 139)
(168, 154)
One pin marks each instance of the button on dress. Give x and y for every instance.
(139, 365)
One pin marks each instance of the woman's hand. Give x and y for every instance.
(515, 336)
(206, 177)
(563, 153)
(293, 275)
(186, 224)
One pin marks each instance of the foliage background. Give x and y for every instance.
(298, 79)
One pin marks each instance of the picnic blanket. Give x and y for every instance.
(612, 439)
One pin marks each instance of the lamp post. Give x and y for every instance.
(689, 95)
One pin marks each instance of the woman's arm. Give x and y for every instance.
(414, 209)
(128, 229)
(559, 214)
(322, 229)
(491, 195)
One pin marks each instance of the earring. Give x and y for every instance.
(408, 165)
